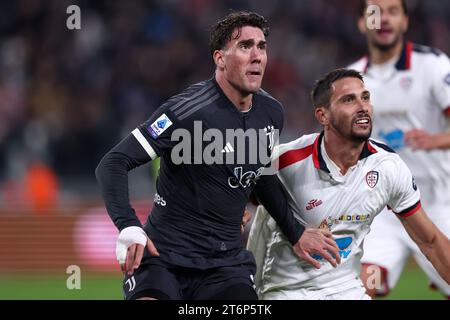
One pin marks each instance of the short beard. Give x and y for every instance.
(352, 136)
(387, 47)
(360, 137)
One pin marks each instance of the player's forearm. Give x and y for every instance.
(442, 140)
(419, 139)
(270, 193)
(431, 241)
(112, 176)
(438, 252)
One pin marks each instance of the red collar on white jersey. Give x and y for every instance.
(319, 163)
(296, 155)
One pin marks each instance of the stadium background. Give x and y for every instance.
(67, 96)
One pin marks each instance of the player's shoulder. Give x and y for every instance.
(382, 150)
(269, 101)
(301, 143)
(381, 147)
(359, 65)
(429, 56)
(426, 50)
(192, 99)
(385, 156)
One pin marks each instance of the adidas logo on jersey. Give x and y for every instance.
(228, 148)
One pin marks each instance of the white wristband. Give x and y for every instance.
(128, 237)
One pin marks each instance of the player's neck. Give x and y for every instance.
(341, 151)
(378, 56)
(242, 102)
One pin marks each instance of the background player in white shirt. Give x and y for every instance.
(339, 180)
(410, 86)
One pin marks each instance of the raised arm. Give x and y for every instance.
(431, 241)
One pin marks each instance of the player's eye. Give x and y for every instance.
(366, 97)
(348, 99)
(394, 11)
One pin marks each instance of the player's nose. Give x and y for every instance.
(256, 55)
(385, 18)
(364, 106)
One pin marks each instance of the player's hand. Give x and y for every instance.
(245, 219)
(130, 248)
(420, 139)
(317, 241)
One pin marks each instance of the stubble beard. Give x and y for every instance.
(360, 137)
(388, 46)
(350, 134)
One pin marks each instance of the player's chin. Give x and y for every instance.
(386, 43)
(253, 87)
(253, 83)
(362, 134)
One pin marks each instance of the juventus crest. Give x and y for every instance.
(272, 137)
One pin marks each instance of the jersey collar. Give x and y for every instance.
(319, 161)
(403, 62)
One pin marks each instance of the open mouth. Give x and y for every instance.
(384, 31)
(363, 121)
(253, 73)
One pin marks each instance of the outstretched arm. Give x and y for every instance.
(306, 242)
(431, 241)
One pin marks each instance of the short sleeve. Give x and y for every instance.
(404, 194)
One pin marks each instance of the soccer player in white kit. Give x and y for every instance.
(410, 86)
(339, 180)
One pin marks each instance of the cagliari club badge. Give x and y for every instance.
(372, 178)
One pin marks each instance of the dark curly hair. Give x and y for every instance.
(222, 31)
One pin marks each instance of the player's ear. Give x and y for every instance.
(218, 57)
(362, 24)
(322, 115)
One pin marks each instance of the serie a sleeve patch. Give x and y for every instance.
(159, 126)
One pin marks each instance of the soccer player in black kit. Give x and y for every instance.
(191, 245)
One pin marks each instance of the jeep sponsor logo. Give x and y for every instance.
(244, 179)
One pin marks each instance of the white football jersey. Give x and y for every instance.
(413, 91)
(320, 196)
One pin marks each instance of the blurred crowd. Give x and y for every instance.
(67, 96)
